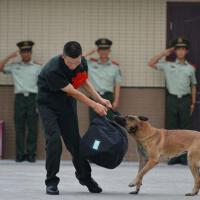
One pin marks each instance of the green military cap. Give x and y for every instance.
(181, 42)
(25, 45)
(103, 43)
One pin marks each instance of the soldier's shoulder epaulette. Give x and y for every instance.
(94, 59)
(115, 62)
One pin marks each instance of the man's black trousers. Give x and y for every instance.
(61, 121)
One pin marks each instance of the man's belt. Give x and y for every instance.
(178, 97)
(25, 94)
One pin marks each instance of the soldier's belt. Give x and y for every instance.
(178, 97)
(25, 94)
(105, 93)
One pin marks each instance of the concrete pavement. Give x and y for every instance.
(25, 181)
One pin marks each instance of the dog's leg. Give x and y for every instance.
(195, 172)
(142, 161)
(148, 166)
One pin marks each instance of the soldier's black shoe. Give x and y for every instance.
(20, 158)
(184, 161)
(31, 158)
(52, 190)
(92, 185)
(174, 161)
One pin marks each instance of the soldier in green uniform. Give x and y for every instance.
(180, 88)
(105, 75)
(24, 73)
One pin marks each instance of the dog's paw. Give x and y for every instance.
(191, 194)
(134, 192)
(188, 194)
(131, 184)
(136, 182)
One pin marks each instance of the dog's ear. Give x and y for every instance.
(143, 118)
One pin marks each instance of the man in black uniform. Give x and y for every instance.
(58, 83)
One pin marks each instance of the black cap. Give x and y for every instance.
(25, 45)
(103, 43)
(181, 42)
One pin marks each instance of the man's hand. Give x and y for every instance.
(115, 105)
(6, 60)
(90, 52)
(153, 61)
(168, 52)
(100, 109)
(13, 54)
(105, 102)
(192, 107)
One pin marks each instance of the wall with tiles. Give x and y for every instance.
(137, 28)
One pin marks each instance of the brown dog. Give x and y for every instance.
(152, 143)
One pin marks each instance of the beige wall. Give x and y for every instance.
(137, 28)
(137, 101)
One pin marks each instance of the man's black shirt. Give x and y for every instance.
(56, 75)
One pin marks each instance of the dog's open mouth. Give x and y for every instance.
(120, 120)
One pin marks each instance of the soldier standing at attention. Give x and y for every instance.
(105, 75)
(180, 88)
(25, 74)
